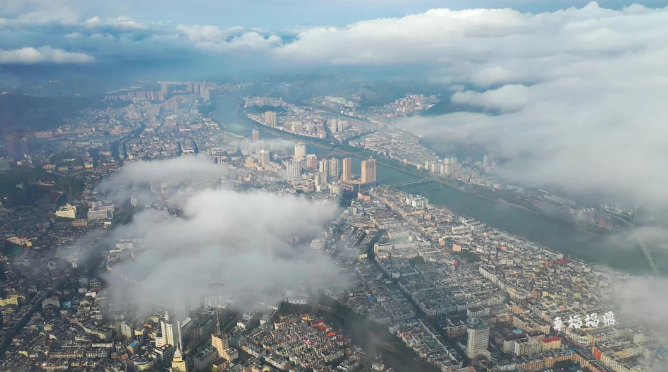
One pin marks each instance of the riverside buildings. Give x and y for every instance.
(368, 171)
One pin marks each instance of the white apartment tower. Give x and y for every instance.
(477, 333)
(294, 170)
(300, 150)
(323, 168)
(171, 332)
(334, 168)
(264, 157)
(270, 118)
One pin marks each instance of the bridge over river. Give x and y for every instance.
(412, 182)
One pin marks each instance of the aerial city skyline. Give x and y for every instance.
(327, 185)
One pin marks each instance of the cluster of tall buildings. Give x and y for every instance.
(197, 88)
(270, 118)
(323, 171)
(20, 144)
(294, 170)
(488, 162)
(140, 95)
(328, 169)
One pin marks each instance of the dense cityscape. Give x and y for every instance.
(441, 291)
(333, 186)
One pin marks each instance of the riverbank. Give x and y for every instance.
(344, 149)
(563, 221)
(554, 234)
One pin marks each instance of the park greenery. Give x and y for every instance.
(417, 260)
(468, 256)
(19, 185)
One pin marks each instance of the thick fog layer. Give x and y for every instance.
(252, 246)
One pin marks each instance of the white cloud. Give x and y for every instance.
(645, 299)
(122, 23)
(575, 98)
(493, 75)
(593, 126)
(506, 98)
(45, 54)
(104, 37)
(213, 39)
(43, 16)
(183, 167)
(476, 36)
(199, 33)
(223, 236)
(94, 21)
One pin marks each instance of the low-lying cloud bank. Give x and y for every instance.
(574, 98)
(646, 299)
(252, 246)
(183, 168)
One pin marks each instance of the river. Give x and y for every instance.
(541, 229)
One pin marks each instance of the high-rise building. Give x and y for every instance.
(452, 160)
(205, 94)
(300, 150)
(256, 135)
(318, 180)
(486, 162)
(264, 157)
(270, 118)
(126, 330)
(17, 145)
(347, 169)
(220, 341)
(12, 144)
(323, 167)
(341, 125)
(368, 171)
(477, 333)
(332, 125)
(294, 170)
(178, 363)
(165, 89)
(334, 168)
(255, 148)
(312, 161)
(171, 332)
